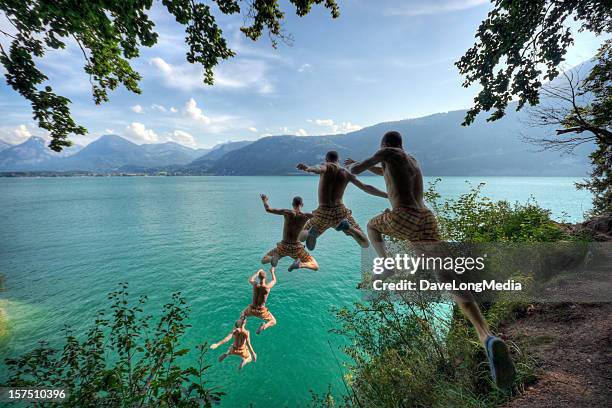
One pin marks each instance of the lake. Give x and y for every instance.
(66, 242)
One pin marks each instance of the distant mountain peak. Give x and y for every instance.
(35, 139)
(111, 138)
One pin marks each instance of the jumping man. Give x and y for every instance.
(261, 290)
(411, 220)
(331, 212)
(290, 246)
(241, 346)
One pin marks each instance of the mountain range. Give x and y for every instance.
(4, 145)
(439, 142)
(441, 145)
(109, 153)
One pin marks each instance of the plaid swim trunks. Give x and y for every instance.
(240, 351)
(329, 216)
(294, 250)
(261, 312)
(407, 223)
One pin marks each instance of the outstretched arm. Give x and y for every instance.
(273, 281)
(266, 204)
(251, 348)
(367, 188)
(225, 340)
(348, 163)
(376, 170)
(252, 279)
(369, 163)
(311, 169)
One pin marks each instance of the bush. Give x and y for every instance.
(474, 218)
(124, 360)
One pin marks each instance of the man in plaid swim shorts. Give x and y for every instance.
(331, 212)
(261, 290)
(241, 346)
(295, 220)
(410, 220)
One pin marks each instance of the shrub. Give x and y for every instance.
(474, 218)
(125, 359)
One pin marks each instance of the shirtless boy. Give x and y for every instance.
(242, 344)
(290, 246)
(409, 219)
(261, 290)
(331, 212)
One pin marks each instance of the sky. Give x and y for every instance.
(379, 61)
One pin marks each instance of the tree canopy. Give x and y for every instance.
(110, 34)
(518, 42)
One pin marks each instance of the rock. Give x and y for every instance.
(600, 225)
(598, 228)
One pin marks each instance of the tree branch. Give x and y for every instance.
(86, 58)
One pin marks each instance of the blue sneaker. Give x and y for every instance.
(274, 260)
(500, 363)
(295, 265)
(311, 239)
(343, 225)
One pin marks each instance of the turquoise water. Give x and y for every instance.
(66, 242)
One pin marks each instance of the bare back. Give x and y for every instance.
(260, 295)
(294, 223)
(332, 184)
(240, 337)
(403, 178)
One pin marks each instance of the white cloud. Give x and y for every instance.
(138, 133)
(15, 135)
(324, 122)
(346, 127)
(159, 108)
(426, 7)
(137, 109)
(304, 67)
(183, 138)
(301, 132)
(192, 111)
(186, 77)
(22, 132)
(266, 88)
(253, 129)
(234, 74)
(336, 128)
(214, 124)
(162, 65)
(109, 131)
(173, 109)
(244, 74)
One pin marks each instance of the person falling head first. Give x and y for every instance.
(241, 346)
(331, 212)
(409, 219)
(261, 290)
(294, 221)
